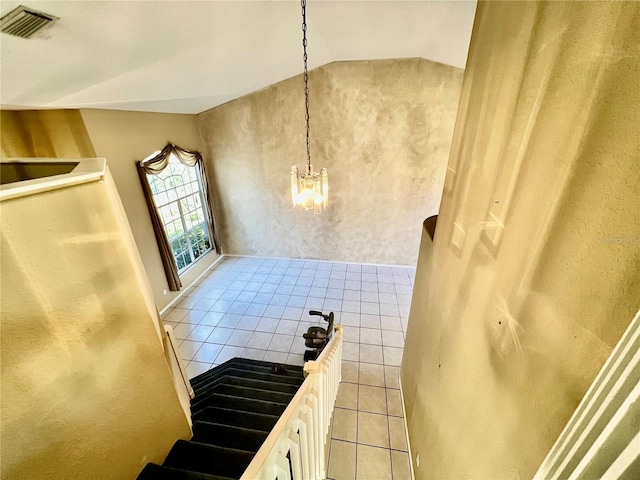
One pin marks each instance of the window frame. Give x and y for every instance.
(194, 254)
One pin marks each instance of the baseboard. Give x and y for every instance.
(321, 261)
(185, 289)
(406, 429)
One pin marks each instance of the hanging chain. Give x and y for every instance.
(306, 78)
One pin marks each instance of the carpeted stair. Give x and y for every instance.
(235, 407)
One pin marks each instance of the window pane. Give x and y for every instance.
(174, 229)
(190, 221)
(176, 192)
(176, 248)
(161, 198)
(165, 214)
(179, 245)
(170, 230)
(177, 169)
(175, 211)
(186, 205)
(196, 235)
(177, 225)
(169, 213)
(155, 184)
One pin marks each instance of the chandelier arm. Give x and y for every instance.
(303, 3)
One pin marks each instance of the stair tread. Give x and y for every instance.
(249, 382)
(200, 457)
(235, 377)
(250, 374)
(256, 363)
(242, 403)
(242, 363)
(226, 416)
(240, 391)
(249, 392)
(225, 366)
(228, 435)
(251, 430)
(256, 400)
(153, 471)
(229, 410)
(272, 377)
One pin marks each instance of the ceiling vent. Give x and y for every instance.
(24, 22)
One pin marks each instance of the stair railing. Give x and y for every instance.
(295, 448)
(602, 438)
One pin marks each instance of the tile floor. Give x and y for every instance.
(258, 308)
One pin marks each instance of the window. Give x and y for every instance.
(178, 195)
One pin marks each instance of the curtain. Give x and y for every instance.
(154, 166)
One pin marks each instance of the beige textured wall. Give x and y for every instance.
(123, 138)
(44, 133)
(535, 269)
(382, 129)
(86, 390)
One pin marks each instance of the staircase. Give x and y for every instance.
(235, 407)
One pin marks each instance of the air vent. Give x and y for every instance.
(24, 22)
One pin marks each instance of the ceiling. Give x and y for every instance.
(189, 56)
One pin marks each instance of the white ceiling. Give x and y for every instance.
(189, 56)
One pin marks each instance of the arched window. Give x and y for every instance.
(177, 192)
(175, 186)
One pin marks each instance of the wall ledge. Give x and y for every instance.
(87, 170)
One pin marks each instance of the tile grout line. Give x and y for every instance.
(388, 426)
(368, 445)
(367, 411)
(355, 474)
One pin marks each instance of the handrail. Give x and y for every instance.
(294, 450)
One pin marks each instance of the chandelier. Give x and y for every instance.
(309, 190)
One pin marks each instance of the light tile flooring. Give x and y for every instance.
(258, 308)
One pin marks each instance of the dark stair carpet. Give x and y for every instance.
(235, 407)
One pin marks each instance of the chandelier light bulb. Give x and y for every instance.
(310, 190)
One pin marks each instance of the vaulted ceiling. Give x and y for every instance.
(189, 56)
